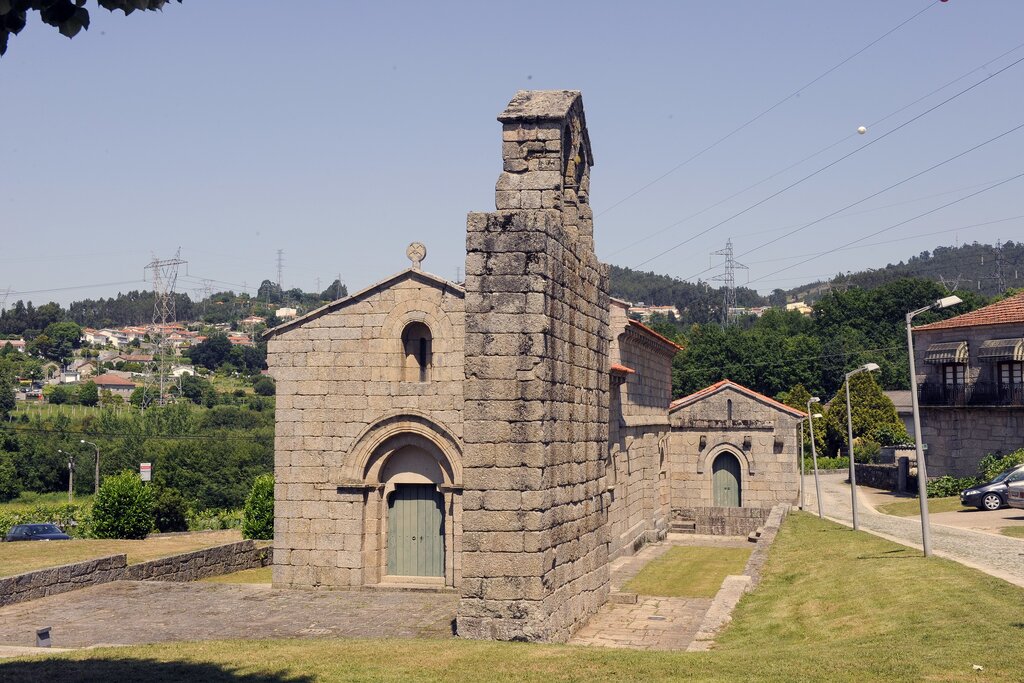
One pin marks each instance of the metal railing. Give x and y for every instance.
(975, 394)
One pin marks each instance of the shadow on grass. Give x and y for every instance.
(896, 554)
(60, 670)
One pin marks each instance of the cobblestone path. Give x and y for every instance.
(993, 554)
(133, 612)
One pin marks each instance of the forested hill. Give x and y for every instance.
(981, 268)
(696, 302)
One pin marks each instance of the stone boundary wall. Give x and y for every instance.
(55, 580)
(199, 564)
(720, 521)
(878, 476)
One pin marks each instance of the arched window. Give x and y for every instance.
(416, 345)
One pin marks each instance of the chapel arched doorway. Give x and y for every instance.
(726, 481)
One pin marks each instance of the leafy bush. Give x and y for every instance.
(945, 486)
(264, 386)
(841, 463)
(866, 450)
(258, 514)
(123, 508)
(992, 464)
(169, 511)
(214, 519)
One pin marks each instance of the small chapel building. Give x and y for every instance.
(507, 437)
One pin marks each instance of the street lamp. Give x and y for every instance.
(800, 432)
(814, 453)
(867, 367)
(97, 490)
(922, 470)
(71, 473)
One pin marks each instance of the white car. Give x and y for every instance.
(1015, 490)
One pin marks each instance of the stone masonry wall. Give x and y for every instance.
(535, 539)
(762, 437)
(638, 512)
(192, 566)
(342, 388)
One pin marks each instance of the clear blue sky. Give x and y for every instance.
(340, 132)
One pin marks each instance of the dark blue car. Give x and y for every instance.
(990, 496)
(36, 532)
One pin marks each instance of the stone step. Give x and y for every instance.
(617, 598)
(683, 527)
(753, 536)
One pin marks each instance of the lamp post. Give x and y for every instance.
(867, 367)
(922, 469)
(97, 489)
(800, 431)
(71, 473)
(814, 453)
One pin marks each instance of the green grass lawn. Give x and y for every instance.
(834, 605)
(912, 507)
(258, 575)
(1013, 531)
(28, 500)
(24, 556)
(689, 572)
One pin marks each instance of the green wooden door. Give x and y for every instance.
(726, 481)
(415, 531)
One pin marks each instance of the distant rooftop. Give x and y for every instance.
(1007, 311)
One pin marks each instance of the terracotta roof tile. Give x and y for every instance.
(1009, 310)
(112, 381)
(621, 369)
(718, 386)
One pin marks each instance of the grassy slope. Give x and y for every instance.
(912, 508)
(692, 572)
(834, 605)
(1013, 531)
(25, 556)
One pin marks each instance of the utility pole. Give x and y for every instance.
(280, 268)
(729, 278)
(164, 274)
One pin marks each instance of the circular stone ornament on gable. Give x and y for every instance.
(416, 253)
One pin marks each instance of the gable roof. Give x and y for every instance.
(651, 333)
(408, 273)
(1008, 311)
(109, 380)
(729, 384)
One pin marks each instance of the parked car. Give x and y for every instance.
(36, 532)
(992, 496)
(1015, 492)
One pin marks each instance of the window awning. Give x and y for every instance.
(1002, 349)
(946, 352)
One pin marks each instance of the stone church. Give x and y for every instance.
(507, 437)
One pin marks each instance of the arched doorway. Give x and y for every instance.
(726, 481)
(415, 539)
(415, 531)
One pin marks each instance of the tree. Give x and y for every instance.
(873, 415)
(88, 394)
(123, 508)
(198, 390)
(7, 402)
(264, 386)
(169, 511)
(58, 394)
(211, 353)
(258, 514)
(66, 16)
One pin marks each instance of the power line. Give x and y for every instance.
(891, 227)
(833, 163)
(74, 287)
(884, 190)
(768, 110)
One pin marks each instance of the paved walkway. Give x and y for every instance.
(651, 623)
(994, 554)
(134, 612)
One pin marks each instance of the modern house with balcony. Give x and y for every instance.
(970, 372)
